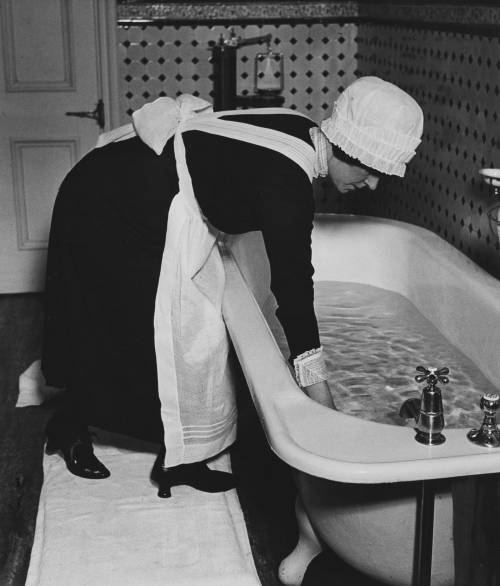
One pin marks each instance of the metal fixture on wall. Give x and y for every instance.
(492, 178)
(268, 74)
(319, 60)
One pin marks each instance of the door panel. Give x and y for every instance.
(51, 64)
(38, 46)
(30, 159)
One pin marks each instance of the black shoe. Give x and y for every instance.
(78, 455)
(198, 475)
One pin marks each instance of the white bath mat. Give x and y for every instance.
(118, 532)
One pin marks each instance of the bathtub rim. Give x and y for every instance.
(300, 431)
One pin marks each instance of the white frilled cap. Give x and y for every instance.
(377, 123)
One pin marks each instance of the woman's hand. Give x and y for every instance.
(320, 392)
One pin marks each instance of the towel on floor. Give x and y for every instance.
(118, 532)
(33, 389)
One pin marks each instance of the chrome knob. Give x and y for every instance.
(490, 403)
(488, 435)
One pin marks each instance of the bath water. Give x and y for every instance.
(374, 339)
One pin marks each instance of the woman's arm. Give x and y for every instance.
(287, 209)
(321, 393)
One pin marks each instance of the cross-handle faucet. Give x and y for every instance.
(488, 434)
(430, 418)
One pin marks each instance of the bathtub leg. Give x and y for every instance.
(425, 531)
(294, 566)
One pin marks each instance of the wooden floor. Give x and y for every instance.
(21, 433)
(266, 489)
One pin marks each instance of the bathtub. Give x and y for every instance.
(356, 478)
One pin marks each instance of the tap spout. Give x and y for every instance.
(410, 409)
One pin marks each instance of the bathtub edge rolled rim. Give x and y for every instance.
(322, 442)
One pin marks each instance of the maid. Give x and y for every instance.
(133, 325)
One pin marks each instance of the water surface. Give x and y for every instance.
(373, 339)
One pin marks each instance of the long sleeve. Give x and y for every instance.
(243, 187)
(287, 210)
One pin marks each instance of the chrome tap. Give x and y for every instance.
(488, 434)
(430, 418)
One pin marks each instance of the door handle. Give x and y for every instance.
(97, 114)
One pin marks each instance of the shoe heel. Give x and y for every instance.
(161, 477)
(164, 481)
(52, 446)
(164, 490)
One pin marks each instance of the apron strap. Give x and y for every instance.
(258, 111)
(294, 148)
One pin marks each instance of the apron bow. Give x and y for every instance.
(158, 121)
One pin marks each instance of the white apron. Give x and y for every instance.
(195, 385)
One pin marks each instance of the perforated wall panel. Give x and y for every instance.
(158, 60)
(456, 79)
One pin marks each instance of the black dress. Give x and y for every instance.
(106, 243)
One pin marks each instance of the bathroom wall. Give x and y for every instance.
(169, 59)
(447, 55)
(450, 62)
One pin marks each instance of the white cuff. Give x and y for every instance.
(310, 367)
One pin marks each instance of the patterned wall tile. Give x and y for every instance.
(443, 12)
(454, 75)
(456, 79)
(158, 60)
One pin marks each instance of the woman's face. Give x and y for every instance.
(347, 177)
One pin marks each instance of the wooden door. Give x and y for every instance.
(57, 56)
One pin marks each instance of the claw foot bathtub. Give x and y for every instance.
(356, 472)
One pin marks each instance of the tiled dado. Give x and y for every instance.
(456, 79)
